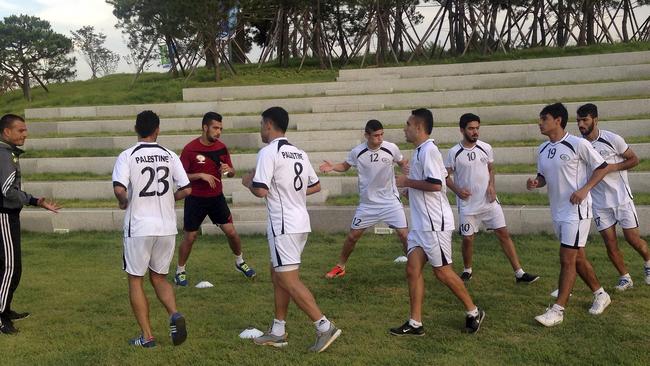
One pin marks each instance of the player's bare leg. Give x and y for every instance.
(233, 238)
(508, 247)
(449, 278)
(140, 305)
(164, 291)
(185, 248)
(568, 274)
(348, 246)
(586, 270)
(281, 298)
(415, 279)
(633, 237)
(467, 248)
(402, 235)
(290, 282)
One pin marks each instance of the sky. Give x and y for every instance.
(68, 15)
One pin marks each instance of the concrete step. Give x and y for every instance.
(550, 63)
(384, 85)
(104, 165)
(334, 185)
(520, 219)
(361, 102)
(331, 140)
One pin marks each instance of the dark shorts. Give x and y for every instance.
(197, 208)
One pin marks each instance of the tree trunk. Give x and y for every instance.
(626, 14)
(383, 17)
(283, 46)
(460, 26)
(588, 17)
(561, 41)
(542, 27)
(398, 42)
(27, 94)
(341, 33)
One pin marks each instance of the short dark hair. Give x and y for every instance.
(467, 118)
(278, 116)
(425, 116)
(556, 110)
(209, 117)
(373, 125)
(8, 119)
(146, 123)
(588, 109)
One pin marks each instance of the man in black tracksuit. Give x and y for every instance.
(13, 132)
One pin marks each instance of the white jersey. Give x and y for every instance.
(151, 174)
(470, 167)
(614, 190)
(566, 165)
(376, 175)
(430, 211)
(285, 171)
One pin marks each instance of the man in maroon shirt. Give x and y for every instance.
(206, 160)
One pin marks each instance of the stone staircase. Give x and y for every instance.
(327, 119)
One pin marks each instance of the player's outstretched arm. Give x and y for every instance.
(629, 162)
(403, 181)
(328, 167)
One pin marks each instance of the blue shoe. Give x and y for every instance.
(246, 270)
(177, 330)
(180, 279)
(141, 342)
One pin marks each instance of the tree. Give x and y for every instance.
(99, 58)
(30, 49)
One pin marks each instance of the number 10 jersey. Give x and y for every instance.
(285, 171)
(151, 174)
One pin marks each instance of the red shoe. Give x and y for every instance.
(337, 271)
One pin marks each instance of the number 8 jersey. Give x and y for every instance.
(151, 174)
(285, 171)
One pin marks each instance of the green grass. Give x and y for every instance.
(644, 166)
(77, 293)
(40, 177)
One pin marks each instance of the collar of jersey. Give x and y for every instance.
(422, 144)
(566, 134)
(278, 139)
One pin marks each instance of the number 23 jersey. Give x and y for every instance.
(286, 172)
(151, 174)
(566, 165)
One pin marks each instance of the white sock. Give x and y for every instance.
(239, 259)
(627, 275)
(468, 270)
(414, 323)
(322, 324)
(180, 269)
(520, 272)
(558, 308)
(647, 263)
(278, 327)
(599, 291)
(472, 313)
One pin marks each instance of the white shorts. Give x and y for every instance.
(286, 250)
(367, 216)
(624, 215)
(572, 234)
(435, 244)
(152, 252)
(492, 219)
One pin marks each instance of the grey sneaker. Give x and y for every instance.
(324, 339)
(268, 339)
(624, 283)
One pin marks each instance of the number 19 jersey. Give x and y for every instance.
(566, 165)
(286, 172)
(150, 173)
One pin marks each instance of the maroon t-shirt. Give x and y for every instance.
(198, 158)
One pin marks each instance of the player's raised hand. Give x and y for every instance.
(211, 179)
(578, 196)
(326, 167)
(532, 183)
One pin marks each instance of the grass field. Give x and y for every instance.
(74, 287)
